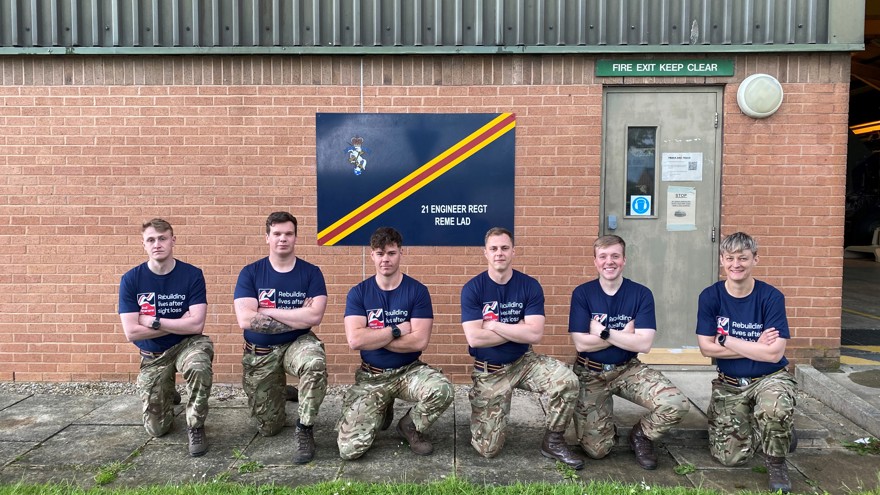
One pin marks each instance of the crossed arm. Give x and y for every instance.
(480, 333)
(769, 348)
(138, 327)
(414, 335)
(274, 320)
(630, 338)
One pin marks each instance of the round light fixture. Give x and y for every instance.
(759, 96)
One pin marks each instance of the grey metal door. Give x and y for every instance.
(661, 192)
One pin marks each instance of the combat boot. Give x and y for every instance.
(198, 443)
(643, 447)
(417, 442)
(388, 416)
(794, 441)
(291, 393)
(777, 471)
(554, 447)
(303, 444)
(176, 399)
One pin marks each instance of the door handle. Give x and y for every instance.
(612, 222)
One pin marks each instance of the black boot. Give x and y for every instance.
(643, 447)
(777, 470)
(554, 447)
(303, 444)
(388, 416)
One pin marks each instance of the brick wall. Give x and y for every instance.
(92, 146)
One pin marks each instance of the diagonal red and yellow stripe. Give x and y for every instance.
(418, 179)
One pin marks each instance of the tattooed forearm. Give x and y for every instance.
(265, 324)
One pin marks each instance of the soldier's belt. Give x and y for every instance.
(257, 350)
(374, 370)
(743, 381)
(598, 367)
(487, 367)
(150, 355)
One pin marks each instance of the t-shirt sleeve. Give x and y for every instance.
(774, 314)
(128, 295)
(317, 287)
(579, 313)
(707, 310)
(422, 307)
(354, 302)
(646, 316)
(535, 302)
(198, 292)
(471, 306)
(245, 287)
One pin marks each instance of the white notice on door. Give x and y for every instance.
(681, 167)
(681, 208)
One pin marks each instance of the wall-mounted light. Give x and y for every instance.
(759, 96)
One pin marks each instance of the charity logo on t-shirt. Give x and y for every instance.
(375, 319)
(490, 311)
(147, 302)
(600, 318)
(723, 325)
(267, 298)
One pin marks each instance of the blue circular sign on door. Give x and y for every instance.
(641, 205)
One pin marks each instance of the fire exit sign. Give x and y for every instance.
(642, 68)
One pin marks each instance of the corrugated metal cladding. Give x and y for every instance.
(409, 26)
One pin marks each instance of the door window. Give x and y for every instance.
(641, 164)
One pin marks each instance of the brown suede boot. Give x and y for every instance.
(643, 447)
(777, 471)
(417, 443)
(554, 447)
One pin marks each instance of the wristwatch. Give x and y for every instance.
(395, 331)
(604, 334)
(722, 339)
(155, 324)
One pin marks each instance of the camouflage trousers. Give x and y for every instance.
(264, 378)
(635, 382)
(742, 418)
(365, 402)
(193, 358)
(491, 394)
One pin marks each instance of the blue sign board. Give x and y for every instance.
(440, 179)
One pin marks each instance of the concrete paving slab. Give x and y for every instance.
(226, 428)
(163, 464)
(519, 461)
(278, 450)
(620, 466)
(39, 417)
(120, 410)
(68, 475)
(712, 475)
(289, 475)
(7, 400)
(837, 471)
(86, 445)
(401, 465)
(9, 451)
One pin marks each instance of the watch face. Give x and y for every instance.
(605, 334)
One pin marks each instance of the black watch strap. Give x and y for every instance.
(605, 334)
(395, 331)
(155, 325)
(722, 339)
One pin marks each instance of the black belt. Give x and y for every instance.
(743, 381)
(257, 350)
(150, 355)
(374, 370)
(597, 366)
(487, 367)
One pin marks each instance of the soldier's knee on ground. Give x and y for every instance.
(156, 428)
(488, 454)
(596, 452)
(269, 430)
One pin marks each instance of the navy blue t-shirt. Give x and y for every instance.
(483, 299)
(632, 301)
(168, 296)
(385, 307)
(744, 318)
(273, 289)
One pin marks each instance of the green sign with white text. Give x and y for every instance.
(643, 68)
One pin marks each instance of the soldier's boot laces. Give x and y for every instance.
(198, 443)
(777, 471)
(303, 444)
(388, 417)
(643, 447)
(417, 442)
(554, 447)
